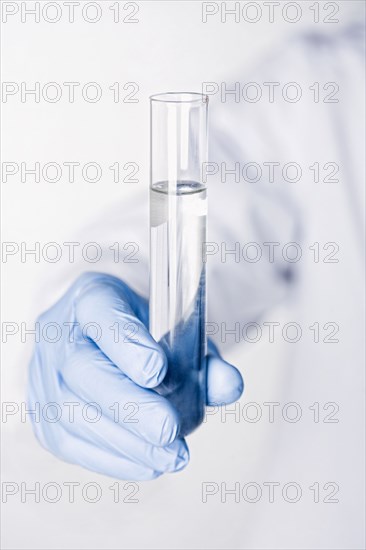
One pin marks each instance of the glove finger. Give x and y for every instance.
(123, 337)
(77, 450)
(93, 377)
(224, 382)
(102, 432)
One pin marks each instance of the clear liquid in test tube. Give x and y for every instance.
(178, 214)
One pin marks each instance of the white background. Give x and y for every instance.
(169, 49)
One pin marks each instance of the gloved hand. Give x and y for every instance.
(106, 356)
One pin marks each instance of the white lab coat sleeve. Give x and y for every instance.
(255, 224)
(300, 125)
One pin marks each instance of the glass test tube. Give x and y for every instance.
(178, 211)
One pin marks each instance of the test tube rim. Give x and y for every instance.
(194, 97)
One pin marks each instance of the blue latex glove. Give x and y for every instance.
(115, 363)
